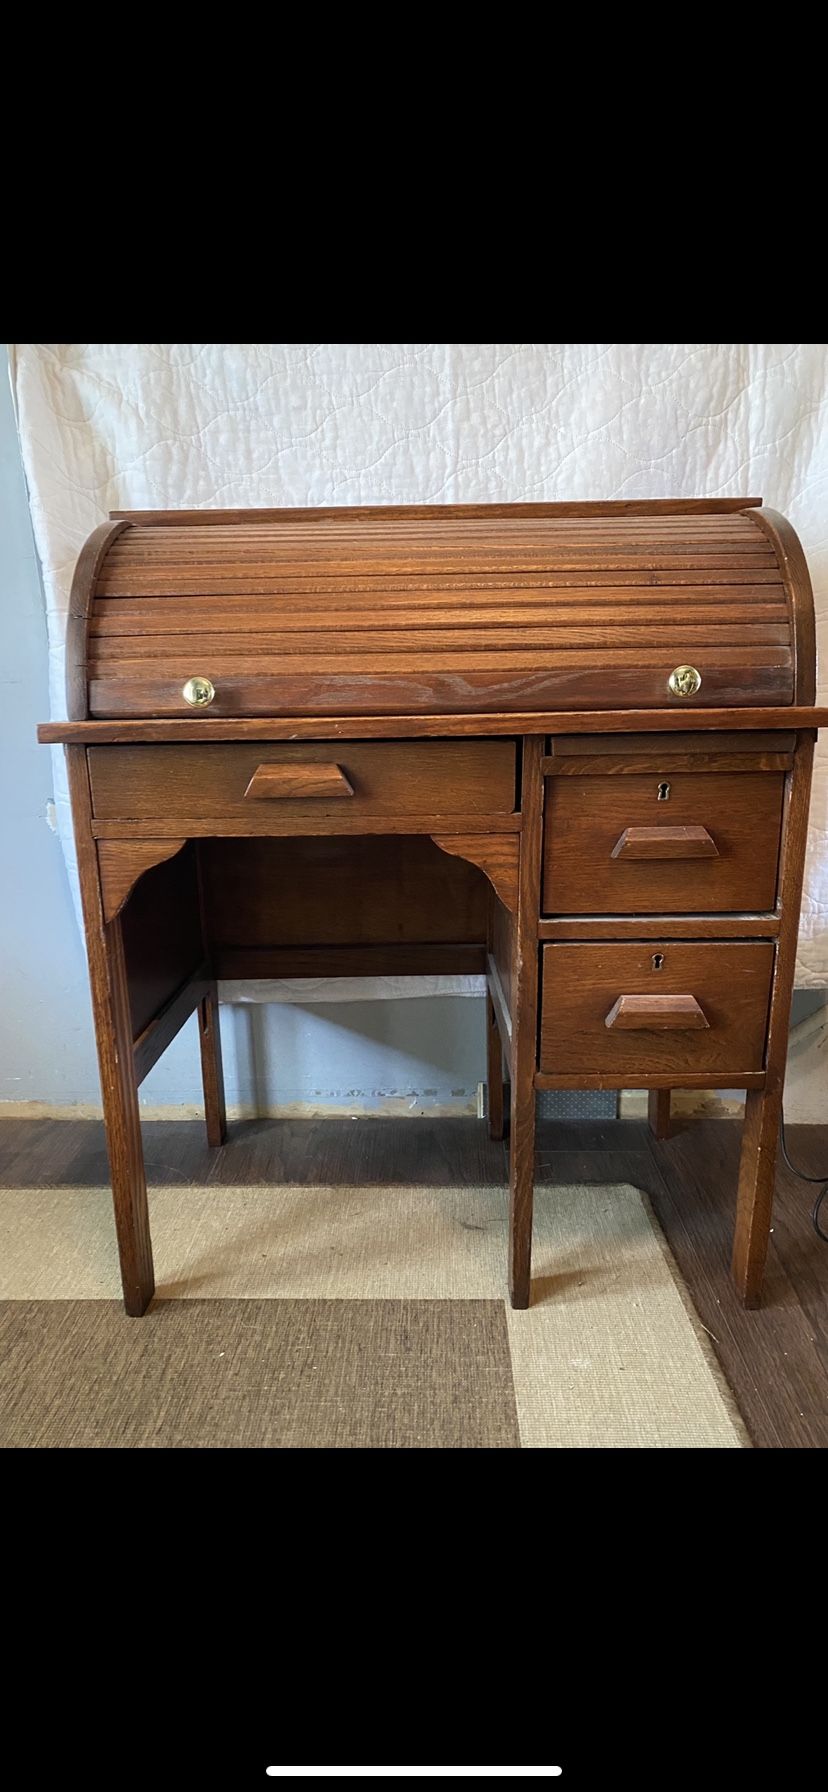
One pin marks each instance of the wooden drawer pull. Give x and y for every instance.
(299, 781)
(665, 843)
(656, 1014)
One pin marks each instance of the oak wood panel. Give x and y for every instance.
(229, 660)
(734, 582)
(649, 1079)
(122, 862)
(316, 818)
(585, 817)
(642, 751)
(581, 983)
(628, 748)
(760, 675)
(162, 935)
(435, 959)
(496, 854)
(348, 890)
(84, 580)
(135, 730)
(674, 927)
(369, 616)
(788, 549)
(572, 566)
(426, 778)
(663, 762)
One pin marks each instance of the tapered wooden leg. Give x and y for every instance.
(524, 1029)
(212, 1073)
(521, 1190)
(494, 1072)
(113, 1029)
(114, 1038)
(658, 1112)
(763, 1107)
(754, 1201)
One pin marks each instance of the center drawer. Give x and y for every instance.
(661, 843)
(649, 1007)
(290, 781)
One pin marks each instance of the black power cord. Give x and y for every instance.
(803, 1178)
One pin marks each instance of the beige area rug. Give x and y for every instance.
(352, 1317)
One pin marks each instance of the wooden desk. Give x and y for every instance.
(567, 746)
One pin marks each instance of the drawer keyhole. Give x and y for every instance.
(664, 792)
(658, 960)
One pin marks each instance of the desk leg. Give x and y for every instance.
(212, 1073)
(521, 1186)
(658, 1112)
(757, 1182)
(113, 1033)
(524, 1029)
(763, 1107)
(113, 1026)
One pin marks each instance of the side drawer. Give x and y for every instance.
(647, 843)
(650, 1007)
(340, 779)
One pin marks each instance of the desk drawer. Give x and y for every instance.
(606, 1009)
(340, 779)
(672, 843)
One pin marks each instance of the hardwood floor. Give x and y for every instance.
(775, 1359)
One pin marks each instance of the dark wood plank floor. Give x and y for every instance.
(776, 1359)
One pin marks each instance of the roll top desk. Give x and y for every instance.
(565, 746)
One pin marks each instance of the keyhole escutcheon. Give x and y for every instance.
(664, 792)
(658, 960)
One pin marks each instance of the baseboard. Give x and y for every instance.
(391, 1107)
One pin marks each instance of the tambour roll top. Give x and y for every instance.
(443, 610)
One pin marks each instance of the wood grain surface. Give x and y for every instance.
(729, 980)
(614, 846)
(387, 778)
(442, 610)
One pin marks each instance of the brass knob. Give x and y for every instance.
(199, 692)
(684, 682)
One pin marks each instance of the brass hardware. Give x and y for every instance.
(658, 960)
(663, 793)
(199, 692)
(685, 681)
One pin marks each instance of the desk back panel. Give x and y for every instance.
(392, 902)
(162, 935)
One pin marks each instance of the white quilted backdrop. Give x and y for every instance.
(108, 426)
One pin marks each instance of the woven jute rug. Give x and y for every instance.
(361, 1317)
